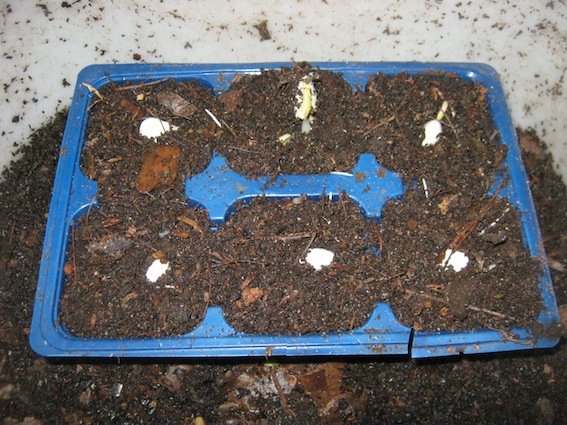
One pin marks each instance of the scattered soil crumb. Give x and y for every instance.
(263, 30)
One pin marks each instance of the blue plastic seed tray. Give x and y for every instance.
(73, 193)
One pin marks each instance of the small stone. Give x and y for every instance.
(154, 127)
(433, 129)
(456, 259)
(156, 270)
(319, 258)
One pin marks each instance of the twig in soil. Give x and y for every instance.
(249, 279)
(491, 312)
(137, 86)
(283, 400)
(281, 238)
(468, 306)
(229, 128)
(390, 278)
(400, 129)
(458, 240)
(228, 260)
(291, 237)
(302, 256)
(74, 252)
(342, 196)
(351, 323)
(453, 128)
(378, 233)
(215, 119)
(439, 193)
(233, 133)
(556, 265)
(87, 219)
(509, 336)
(242, 149)
(209, 296)
(93, 90)
(133, 139)
(192, 223)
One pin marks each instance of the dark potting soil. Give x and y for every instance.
(526, 387)
(254, 266)
(260, 109)
(264, 283)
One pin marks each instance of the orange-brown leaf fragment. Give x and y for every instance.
(251, 295)
(159, 168)
(127, 298)
(113, 221)
(131, 109)
(68, 269)
(324, 383)
(159, 255)
(192, 223)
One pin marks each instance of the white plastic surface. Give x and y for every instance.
(44, 46)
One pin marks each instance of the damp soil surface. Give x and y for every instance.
(254, 264)
(523, 387)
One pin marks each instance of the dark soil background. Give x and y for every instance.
(518, 388)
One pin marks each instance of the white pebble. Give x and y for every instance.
(457, 259)
(156, 270)
(319, 258)
(154, 127)
(433, 129)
